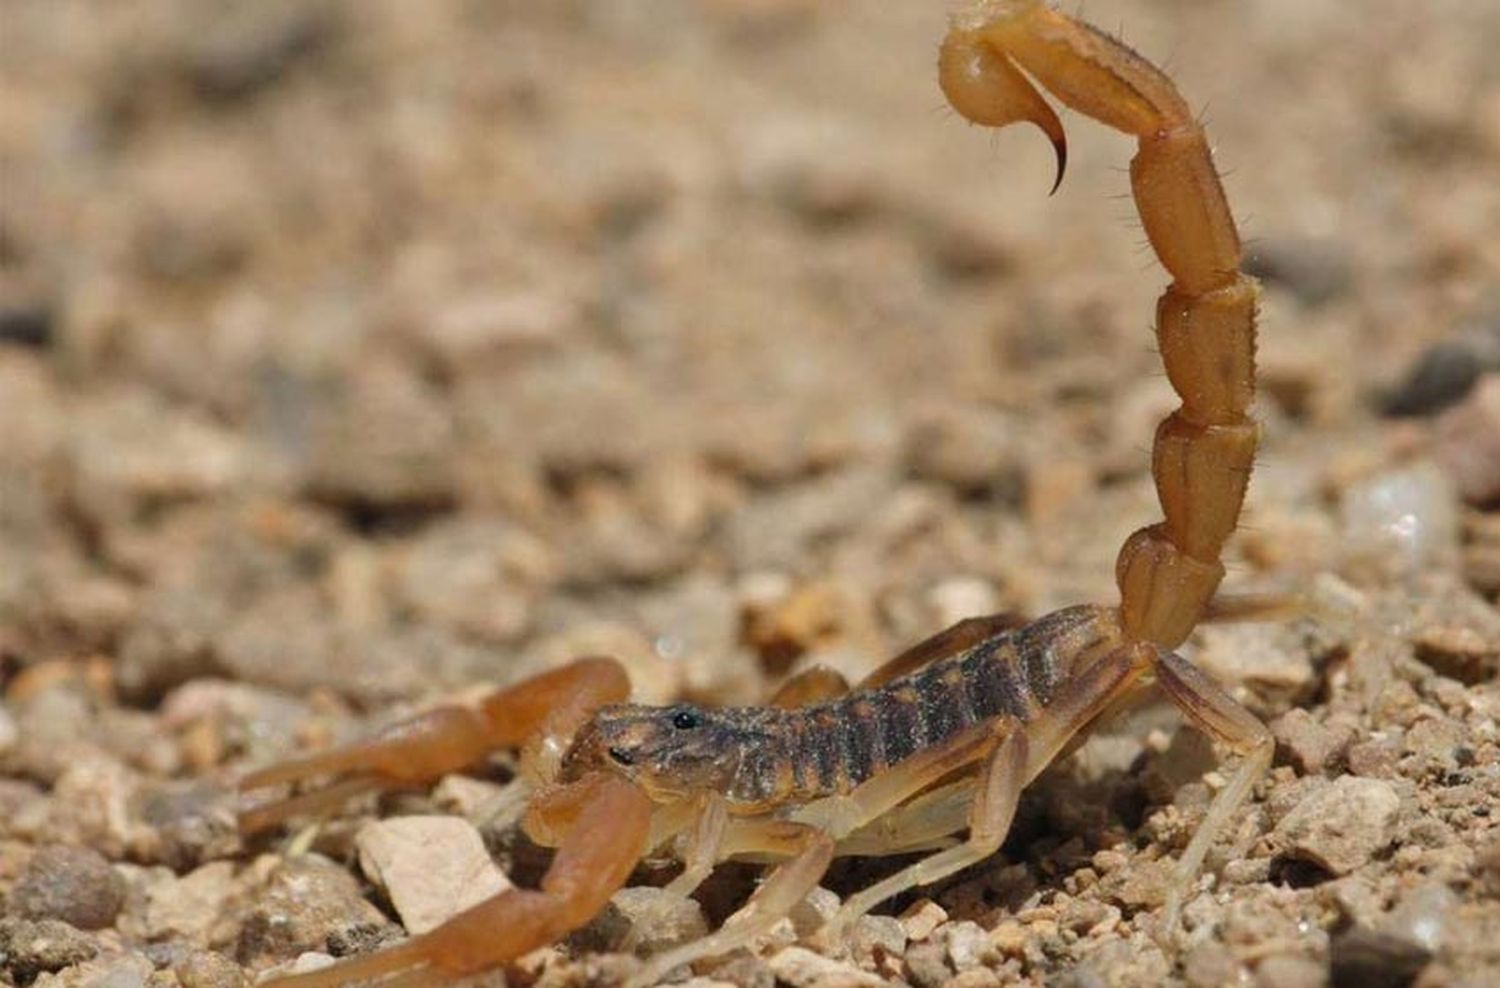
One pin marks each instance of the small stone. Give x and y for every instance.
(1290, 971)
(1209, 964)
(1306, 742)
(308, 904)
(1423, 916)
(651, 919)
(967, 944)
(1403, 521)
(1143, 885)
(431, 867)
(1361, 958)
(1468, 444)
(190, 906)
(73, 884)
(1010, 938)
(927, 964)
(206, 969)
(801, 968)
(877, 939)
(921, 918)
(1340, 826)
(31, 947)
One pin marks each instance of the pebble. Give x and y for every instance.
(1423, 915)
(921, 918)
(308, 903)
(189, 907)
(31, 947)
(967, 944)
(73, 884)
(431, 867)
(1403, 521)
(649, 919)
(1291, 971)
(206, 969)
(1340, 826)
(1307, 743)
(802, 968)
(1362, 958)
(878, 940)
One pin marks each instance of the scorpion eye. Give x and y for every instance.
(621, 756)
(684, 720)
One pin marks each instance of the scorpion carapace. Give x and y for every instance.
(931, 752)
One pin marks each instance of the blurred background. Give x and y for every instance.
(356, 352)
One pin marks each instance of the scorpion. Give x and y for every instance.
(932, 751)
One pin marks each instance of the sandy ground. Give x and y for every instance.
(355, 354)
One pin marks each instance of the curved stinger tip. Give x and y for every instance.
(1060, 146)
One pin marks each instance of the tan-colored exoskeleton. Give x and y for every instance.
(941, 741)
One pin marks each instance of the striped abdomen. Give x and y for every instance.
(832, 747)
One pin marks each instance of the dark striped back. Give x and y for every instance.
(836, 745)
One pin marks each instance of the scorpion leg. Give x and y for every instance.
(809, 686)
(821, 683)
(809, 853)
(705, 844)
(949, 642)
(993, 807)
(603, 821)
(1214, 712)
(421, 749)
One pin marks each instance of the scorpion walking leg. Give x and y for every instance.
(949, 642)
(448, 739)
(1215, 713)
(810, 850)
(994, 807)
(603, 822)
(808, 687)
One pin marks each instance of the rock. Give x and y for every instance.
(1264, 665)
(801, 968)
(1403, 521)
(967, 944)
(649, 919)
(1316, 270)
(189, 907)
(1340, 826)
(1361, 958)
(921, 918)
(1424, 916)
(309, 904)
(1307, 743)
(877, 940)
(184, 823)
(73, 884)
(206, 969)
(926, 964)
(431, 867)
(31, 947)
(1290, 971)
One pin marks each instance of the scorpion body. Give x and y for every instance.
(932, 751)
(764, 757)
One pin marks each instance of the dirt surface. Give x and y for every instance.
(354, 354)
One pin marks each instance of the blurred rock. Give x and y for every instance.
(1402, 521)
(72, 884)
(1317, 271)
(32, 947)
(192, 906)
(801, 968)
(1468, 444)
(1361, 958)
(649, 919)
